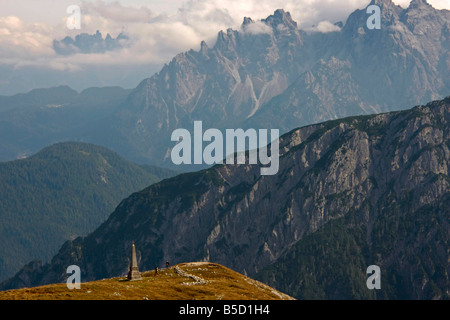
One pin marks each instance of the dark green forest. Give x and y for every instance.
(62, 192)
(332, 262)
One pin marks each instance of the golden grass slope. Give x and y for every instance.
(185, 281)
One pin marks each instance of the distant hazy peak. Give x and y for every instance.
(418, 3)
(390, 13)
(203, 47)
(280, 17)
(86, 43)
(247, 20)
(387, 4)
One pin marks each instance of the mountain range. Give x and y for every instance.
(267, 74)
(354, 192)
(64, 191)
(87, 43)
(363, 178)
(271, 74)
(42, 117)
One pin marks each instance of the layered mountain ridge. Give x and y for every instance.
(271, 74)
(32, 121)
(268, 74)
(357, 191)
(65, 190)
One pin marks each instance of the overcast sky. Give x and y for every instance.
(157, 29)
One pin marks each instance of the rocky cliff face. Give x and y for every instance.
(386, 174)
(271, 74)
(221, 85)
(362, 71)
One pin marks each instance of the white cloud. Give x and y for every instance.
(437, 4)
(117, 12)
(326, 26)
(156, 37)
(19, 40)
(440, 4)
(257, 27)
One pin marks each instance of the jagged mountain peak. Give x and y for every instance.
(421, 7)
(418, 3)
(393, 15)
(280, 17)
(247, 20)
(388, 10)
(389, 4)
(203, 47)
(238, 77)
(226, 40)
(382, 2)
(423, 19)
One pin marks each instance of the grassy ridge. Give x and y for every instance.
(186, 281)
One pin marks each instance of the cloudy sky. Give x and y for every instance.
(157, 31)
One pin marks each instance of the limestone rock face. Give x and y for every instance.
(271, 74)
(386, 174)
